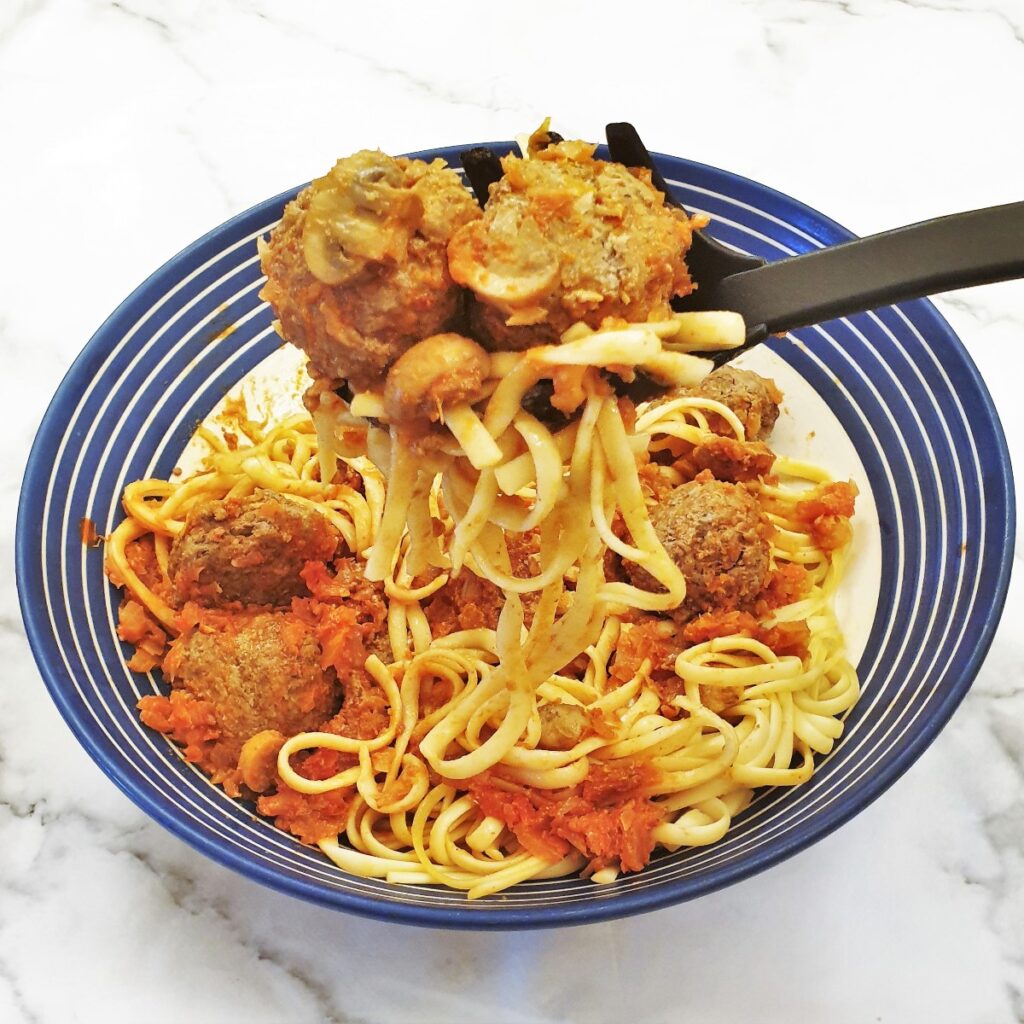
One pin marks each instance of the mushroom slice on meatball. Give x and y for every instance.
(567, 238)
(357, 270)
(249, 550)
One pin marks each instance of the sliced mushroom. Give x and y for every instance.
(562, 726)
(439, 371)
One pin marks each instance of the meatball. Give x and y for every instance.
(249, 550)
(261, 671)
(357, 270)
(753, 398)
(720, 538)
(564, 238)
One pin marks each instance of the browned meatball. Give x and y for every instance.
(357, 270)
(720, 538)
(249, 550)
(259, 672)
(566, 238)
(754, 399)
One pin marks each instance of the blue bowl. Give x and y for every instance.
(897, 382)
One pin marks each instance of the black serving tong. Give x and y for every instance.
(958, 251)
(483, 168)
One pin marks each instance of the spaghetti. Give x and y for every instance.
(574, 712)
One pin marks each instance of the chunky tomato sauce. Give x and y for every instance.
(607, 818)
(192, 724)
(826, 516)
(136, 626)
(784, 638)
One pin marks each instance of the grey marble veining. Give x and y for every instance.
(128, 128)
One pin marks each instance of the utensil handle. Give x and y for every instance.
(958, 251)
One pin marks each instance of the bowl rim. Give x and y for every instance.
(492, 915)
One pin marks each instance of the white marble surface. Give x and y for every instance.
(128, 128)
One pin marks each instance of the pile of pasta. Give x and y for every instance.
(682, 725)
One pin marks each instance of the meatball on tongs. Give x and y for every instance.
(566, 239)
(357, 270)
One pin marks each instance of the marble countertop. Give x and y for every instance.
(129, 128)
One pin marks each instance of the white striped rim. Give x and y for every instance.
(875, 732)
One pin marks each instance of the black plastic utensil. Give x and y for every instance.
(483, 168)
(957, 251)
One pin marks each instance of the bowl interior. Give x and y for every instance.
(888, 398)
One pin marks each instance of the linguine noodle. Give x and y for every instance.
(444, 792)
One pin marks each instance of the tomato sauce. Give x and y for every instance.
(607, 818)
